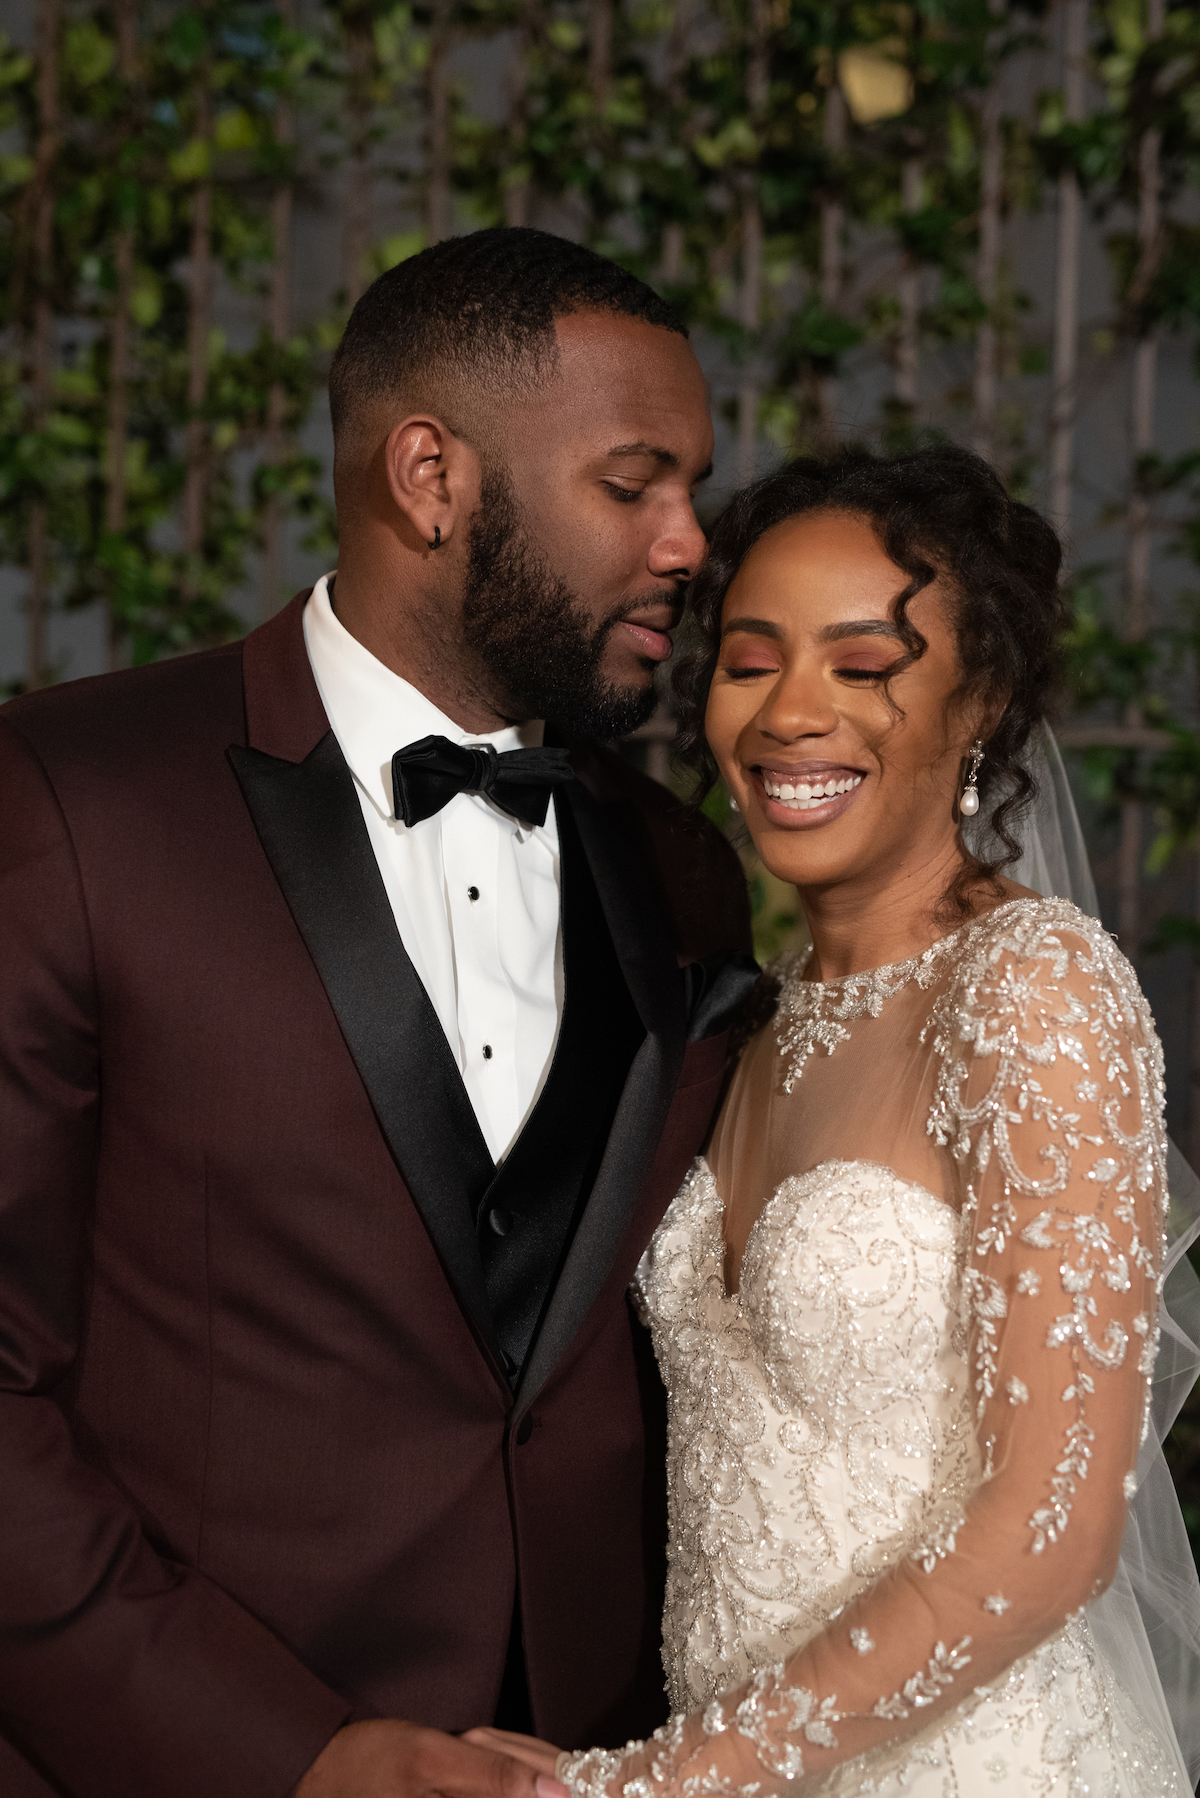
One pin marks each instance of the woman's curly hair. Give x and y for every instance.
(939, 512)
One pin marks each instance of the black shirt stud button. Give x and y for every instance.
(500, 1220)
(524, 1430)
(472, 894)
(487, 1051)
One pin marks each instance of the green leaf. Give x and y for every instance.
(398, 248)
(1125, 23)
(236, 130)
(565, 34)
(187, 38)
(15, 171)
(146, 300)
(736, 142)
(88, 54)
(194, 161)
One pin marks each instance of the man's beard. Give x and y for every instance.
(539, 650)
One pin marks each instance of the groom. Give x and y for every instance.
(345, 1072)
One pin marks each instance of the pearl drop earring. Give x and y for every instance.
(968, 799)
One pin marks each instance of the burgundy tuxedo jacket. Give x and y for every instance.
(260, 1471)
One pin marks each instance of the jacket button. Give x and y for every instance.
(524, 1430)
(500, 1221)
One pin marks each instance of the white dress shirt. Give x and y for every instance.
(473, 892)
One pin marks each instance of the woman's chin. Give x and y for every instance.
(803, 861)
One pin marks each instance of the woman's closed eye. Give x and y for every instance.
(866, 667)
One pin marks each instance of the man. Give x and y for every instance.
(345, 1071)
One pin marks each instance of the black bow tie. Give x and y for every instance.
(427, 775)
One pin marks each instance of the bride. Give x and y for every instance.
(907, 1307)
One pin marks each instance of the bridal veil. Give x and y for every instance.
(1147, 1623)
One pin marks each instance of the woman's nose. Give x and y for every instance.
(797, 706)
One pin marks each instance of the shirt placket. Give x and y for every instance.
(473, 845)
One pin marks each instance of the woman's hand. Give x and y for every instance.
(541, 1756)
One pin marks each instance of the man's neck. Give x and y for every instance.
(414, 642)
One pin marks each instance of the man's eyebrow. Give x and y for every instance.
(861, 627)
(665, 457)
(758, 627)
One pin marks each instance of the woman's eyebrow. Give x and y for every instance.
(760, 627)
(860, 627)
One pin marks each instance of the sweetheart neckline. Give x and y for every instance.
(832, 1161)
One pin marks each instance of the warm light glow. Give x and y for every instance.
(875, 81)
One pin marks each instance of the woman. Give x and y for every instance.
(906, 1308)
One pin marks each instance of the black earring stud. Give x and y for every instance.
(437, 537)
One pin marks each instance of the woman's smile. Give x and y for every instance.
(805, 795)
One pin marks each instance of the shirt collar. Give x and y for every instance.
(374, 712)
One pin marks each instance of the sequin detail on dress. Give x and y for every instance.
(813, 1014)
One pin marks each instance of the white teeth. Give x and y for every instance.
(803, 797)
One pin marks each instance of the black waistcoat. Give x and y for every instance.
(526, 1218)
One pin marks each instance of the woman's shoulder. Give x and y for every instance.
(1033, 956)
(1028, 928)
(1027, 924)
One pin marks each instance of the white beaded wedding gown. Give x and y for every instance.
(901, 1452)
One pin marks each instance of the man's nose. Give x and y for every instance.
(680, 549)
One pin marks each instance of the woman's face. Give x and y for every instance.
(834, 783)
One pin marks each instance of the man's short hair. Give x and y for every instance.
(475, 316)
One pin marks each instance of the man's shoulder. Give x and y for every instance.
(168, 706)
(697, 871)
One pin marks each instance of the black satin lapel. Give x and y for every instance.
(643, 944)
(311, 827)
(633, 909)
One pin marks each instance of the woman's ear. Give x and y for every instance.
(979, 718)
(433, 479)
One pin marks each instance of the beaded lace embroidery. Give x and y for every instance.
(829, 1423)
(813, 1014)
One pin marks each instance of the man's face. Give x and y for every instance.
(584, 538)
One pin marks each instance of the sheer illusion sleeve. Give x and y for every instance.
(1048, 1095)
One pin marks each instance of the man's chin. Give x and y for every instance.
(610, 714)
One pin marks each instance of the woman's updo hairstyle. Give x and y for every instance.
(936, 512)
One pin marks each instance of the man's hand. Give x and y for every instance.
(402, 1760)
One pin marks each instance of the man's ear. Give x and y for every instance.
(433, 478)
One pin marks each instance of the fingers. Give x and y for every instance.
(542, 1757)
(510, 1777)
(390, 1759)
(510, 1770)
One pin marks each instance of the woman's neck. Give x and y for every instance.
(882, 918)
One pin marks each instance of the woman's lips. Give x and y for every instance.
(797, 799)
(655, 644)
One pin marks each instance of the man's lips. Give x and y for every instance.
(649, 641)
